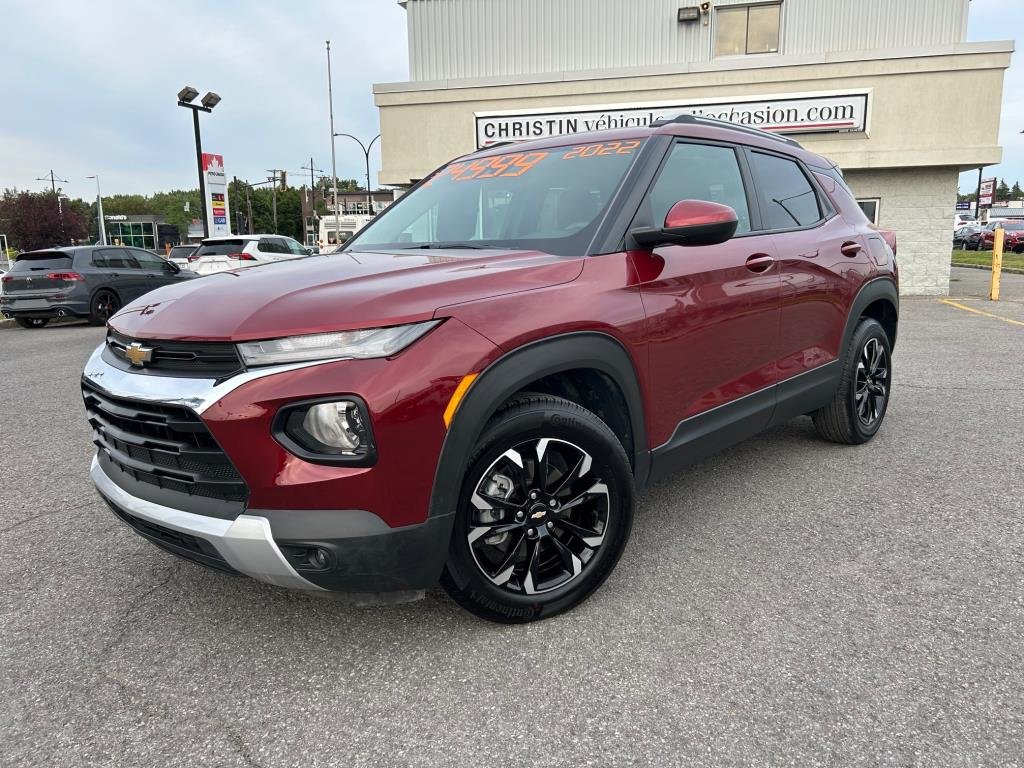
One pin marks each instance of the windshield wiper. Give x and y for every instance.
(474, 246)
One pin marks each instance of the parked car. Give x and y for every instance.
(961, 236)
(478, 388)
(962, 219)
(221, 254)
(91, 281)
(179, 254)
(3, 271)
(1012, 231)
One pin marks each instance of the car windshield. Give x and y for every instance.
(181, 250)
(548, 200)
(220, 248)
(1013, 226)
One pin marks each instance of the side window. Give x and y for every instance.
(787, 197)
(294, 247)
(119, 258)
(147, 260)
(700, 172)
(99, 259)
(266, 245)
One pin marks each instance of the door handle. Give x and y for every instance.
(850, 248)
(760, 262)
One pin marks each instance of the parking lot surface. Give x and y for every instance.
(787, 602)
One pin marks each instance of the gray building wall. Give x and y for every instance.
(464, 39)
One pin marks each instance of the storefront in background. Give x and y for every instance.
(902, 107)
(140, 231)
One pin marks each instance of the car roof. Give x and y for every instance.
(684, 126)
(222, 238)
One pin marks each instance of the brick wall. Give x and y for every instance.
(918, 204)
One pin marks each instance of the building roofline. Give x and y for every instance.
(754, 62)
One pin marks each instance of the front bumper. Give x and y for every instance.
(245, 544)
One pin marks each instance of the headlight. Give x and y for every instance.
(335, 431)
(370, 342)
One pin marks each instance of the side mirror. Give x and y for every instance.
(691, 222)
(310, 251)
(171, 267)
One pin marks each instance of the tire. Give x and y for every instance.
(860, 402)
(515, 558)
(32, 322)
(103, 306)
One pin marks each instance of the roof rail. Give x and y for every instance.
(698, 120)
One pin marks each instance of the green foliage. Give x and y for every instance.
(32, 220)
(170, 205)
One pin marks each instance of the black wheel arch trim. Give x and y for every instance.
(513, 371)
(870, 292)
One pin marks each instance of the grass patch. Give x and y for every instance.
(984, 258)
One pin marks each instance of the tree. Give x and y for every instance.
(31, 220)
(1016, 193)
(1002, 191)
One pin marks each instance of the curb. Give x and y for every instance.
(1011, 270)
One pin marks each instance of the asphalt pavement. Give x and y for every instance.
(787, 602)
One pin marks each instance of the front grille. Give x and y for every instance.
(167, 446)
(181, 544)
(214, 360)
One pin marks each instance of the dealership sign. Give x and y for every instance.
(988, 192)
(216, 195)
(830, 112)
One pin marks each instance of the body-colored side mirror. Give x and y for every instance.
(691, 222)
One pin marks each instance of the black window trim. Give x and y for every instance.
(826, 210)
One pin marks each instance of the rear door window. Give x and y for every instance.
(148, 260)
(788, 200)
(120, 258)
(44, 261)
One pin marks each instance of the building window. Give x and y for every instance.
(870, 207)
(747, 29)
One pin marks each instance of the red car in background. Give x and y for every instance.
(476, 388)
(984, 239)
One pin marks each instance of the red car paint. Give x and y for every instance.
(703, 326)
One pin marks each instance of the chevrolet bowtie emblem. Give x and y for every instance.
(137, 354)
(538, 514)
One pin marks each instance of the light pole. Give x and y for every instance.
(185, 98)
(366, 151)
(334, 164)
(99, 210)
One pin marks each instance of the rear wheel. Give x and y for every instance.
(32, 322)
(860, 402)
(545, 511)
(104, 305)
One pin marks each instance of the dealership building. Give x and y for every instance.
(888, 90)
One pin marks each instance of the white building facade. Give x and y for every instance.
(888, 89)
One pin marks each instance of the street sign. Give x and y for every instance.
(966, 206)
(216, 195)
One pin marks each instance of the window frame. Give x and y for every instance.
(746, 30)
(826, 210)
(878, 207)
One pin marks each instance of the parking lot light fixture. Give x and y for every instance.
(185, 98)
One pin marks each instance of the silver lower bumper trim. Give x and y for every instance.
(245, 543)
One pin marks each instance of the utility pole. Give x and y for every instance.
(248, 205)
(977, 199)
(60, 208)
(312, 196)
(99, 211)
(273, 180)
(238, 212)
(334, 165)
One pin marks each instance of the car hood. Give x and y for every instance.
(336, 292)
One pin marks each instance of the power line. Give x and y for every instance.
(60, 207)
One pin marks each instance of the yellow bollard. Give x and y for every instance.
(997, 263)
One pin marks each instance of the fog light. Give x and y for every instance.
(338, 425)
(332, 432)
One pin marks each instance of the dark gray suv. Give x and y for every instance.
(92, 281)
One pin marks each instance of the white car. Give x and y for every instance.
(962, 220)
(220, 254)
(179, 254)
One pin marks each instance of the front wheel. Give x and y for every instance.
(32, 322)
(545, 512)
(860, 402)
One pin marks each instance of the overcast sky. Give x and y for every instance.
(89, 87)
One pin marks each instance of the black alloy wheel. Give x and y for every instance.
(104, 306)
(546, 510)
(872, 390)
(862, 397)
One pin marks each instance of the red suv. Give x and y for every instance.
(477, 387)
